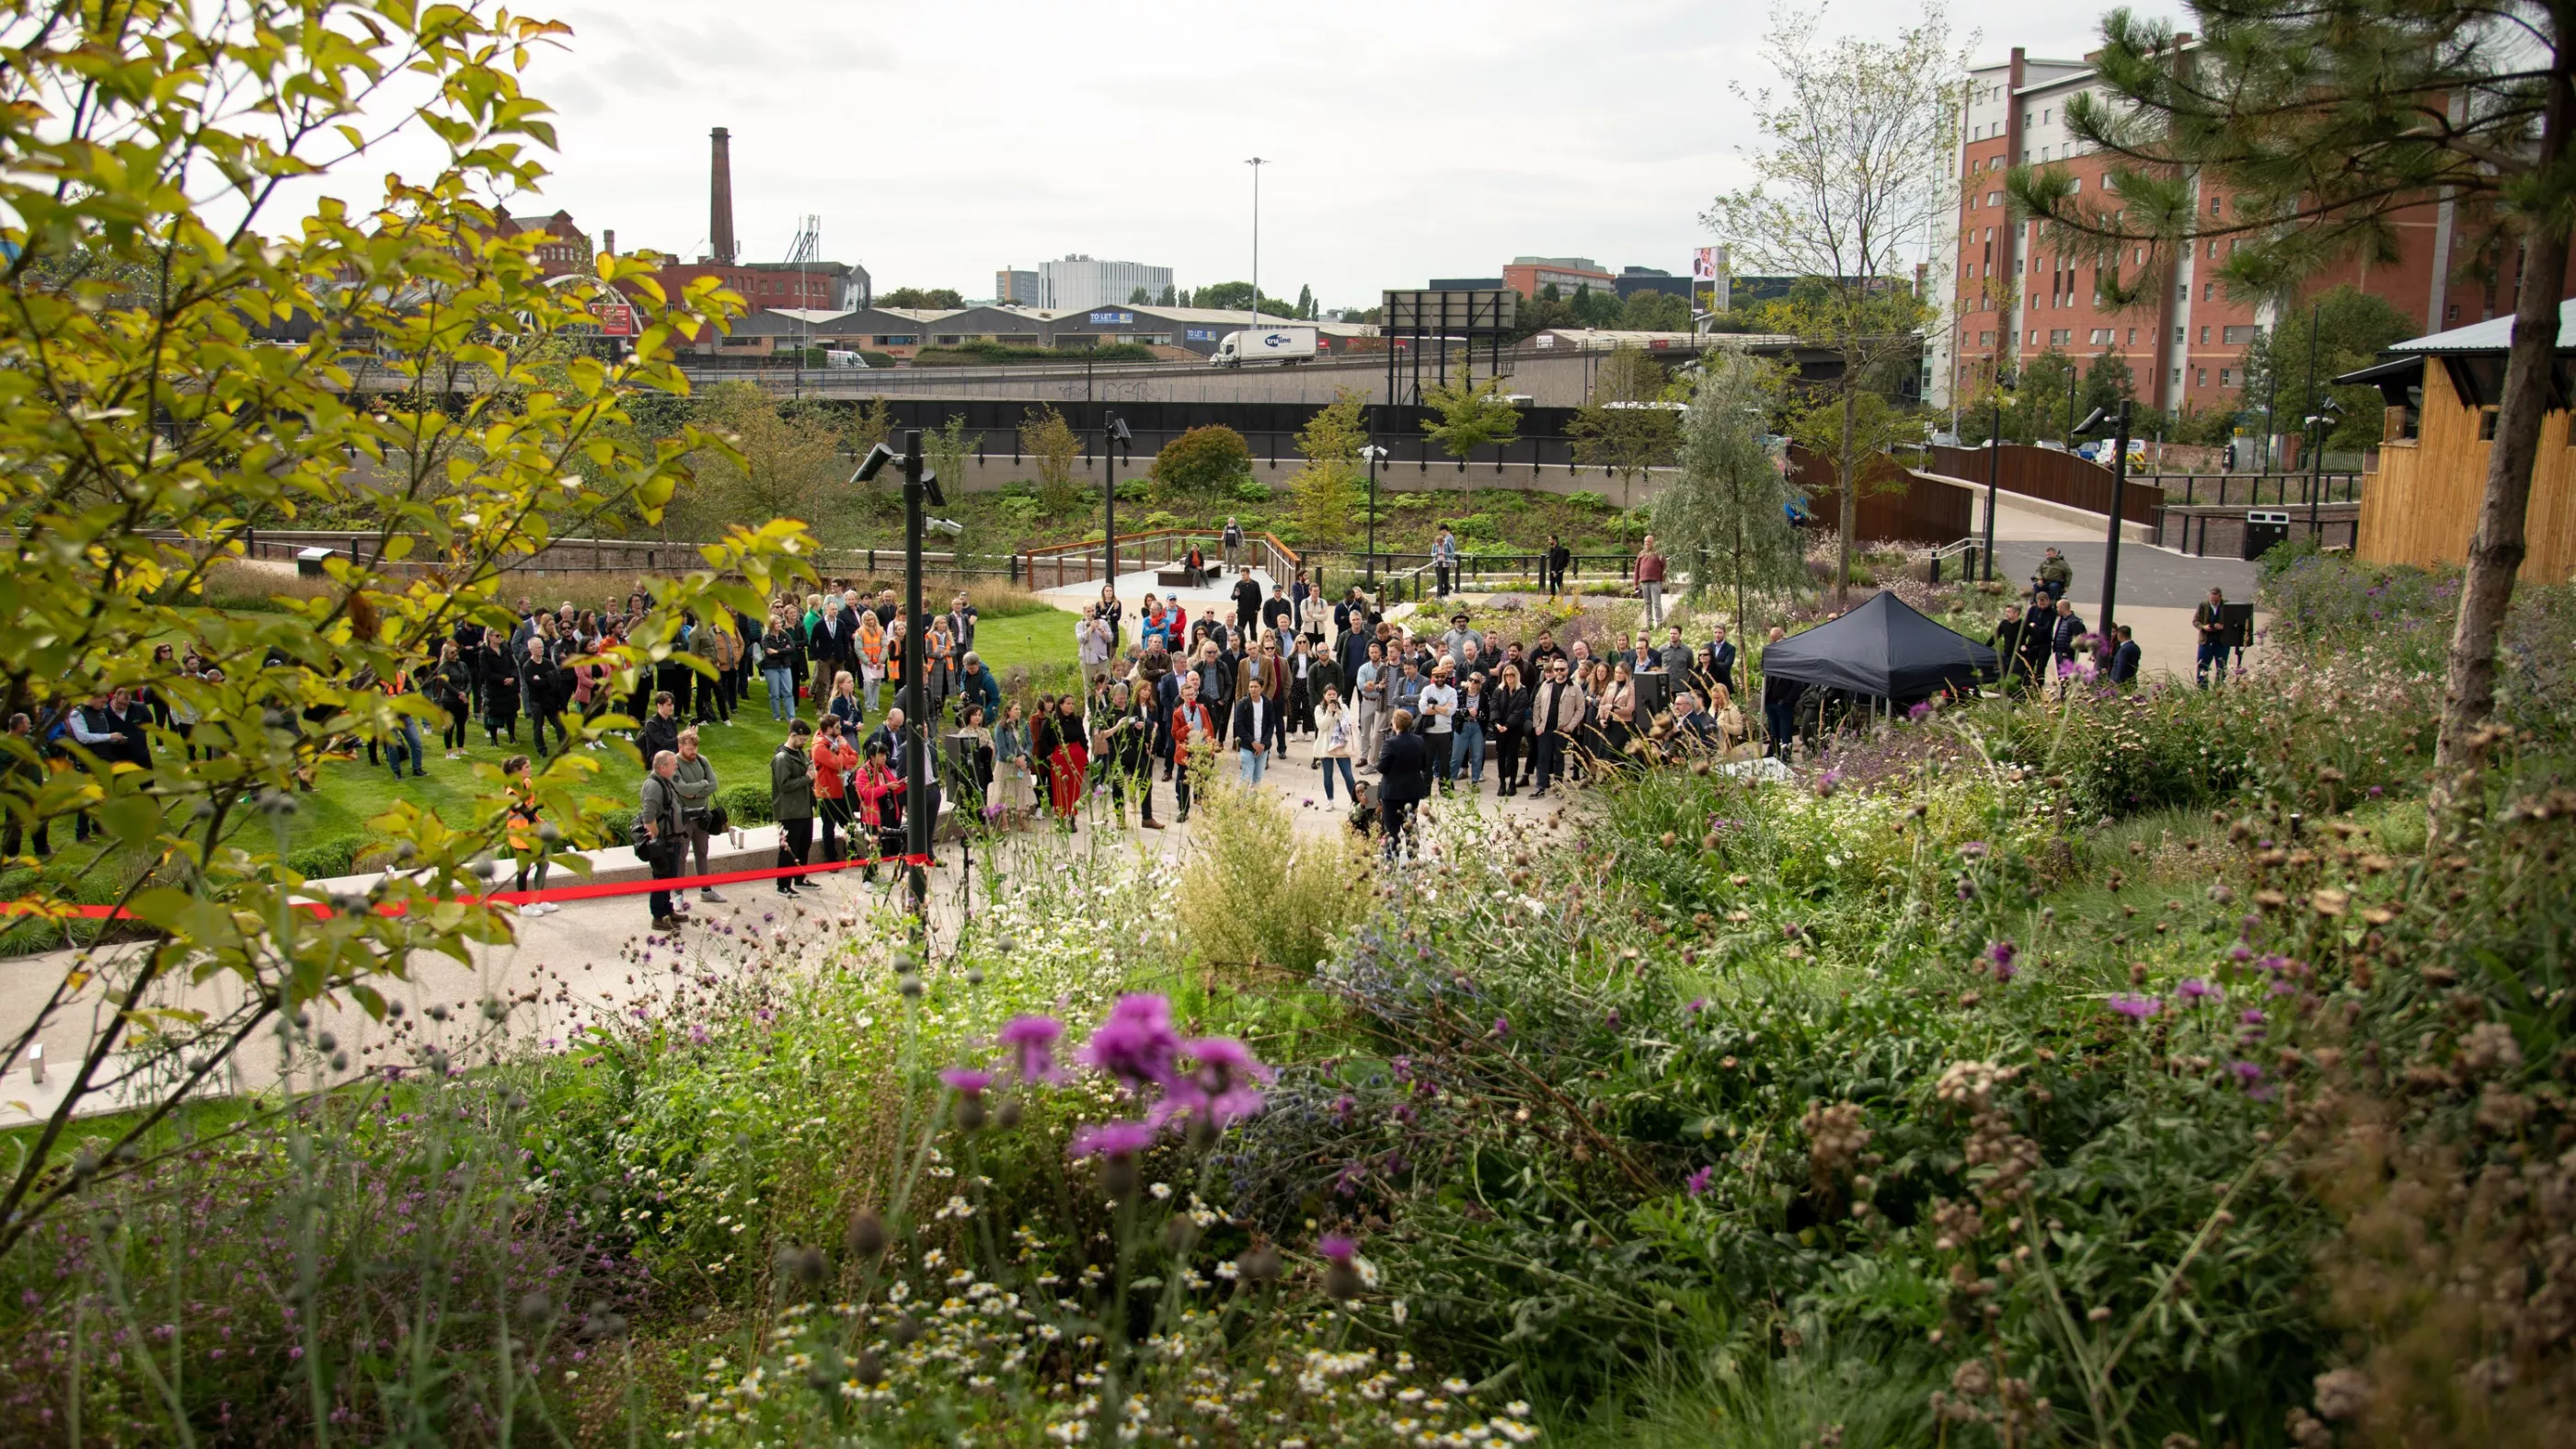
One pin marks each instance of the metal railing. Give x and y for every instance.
(2248, 490)
(1057, 565)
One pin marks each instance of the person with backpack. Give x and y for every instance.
(658, 826)
(695, 778)
(791, 801)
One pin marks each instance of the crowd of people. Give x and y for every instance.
(1387, 712)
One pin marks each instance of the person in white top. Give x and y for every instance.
(1094, 639)
(1438, 704)
(1336, 735)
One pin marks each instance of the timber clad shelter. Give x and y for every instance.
(2421, 504)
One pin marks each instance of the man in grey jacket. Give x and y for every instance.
(791, 800)
(694, 776)
(658, 819)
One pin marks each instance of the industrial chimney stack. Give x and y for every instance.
(720, 201)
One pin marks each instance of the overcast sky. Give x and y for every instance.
(1406, 138)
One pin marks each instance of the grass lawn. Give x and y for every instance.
(349, 793)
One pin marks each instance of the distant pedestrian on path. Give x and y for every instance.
(2055, 575)
(2209, 621)
(1444, 558)
(1233, 540)
(1650, 581)
(1558, 557)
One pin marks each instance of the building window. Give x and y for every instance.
(1985, 339)
(2061, 336)
(2178, 337)
(2204, 337)
(2208, 291)
(2226, 377)
(2213, 206)
(2034, 337)
(2200, 377)
(2239, 336)
(2451, 313)
(2133, 337)
(2101, 336)
(1994, 198)
(2177, 377)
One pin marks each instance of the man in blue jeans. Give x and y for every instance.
(1254, 718)
(2209, 621)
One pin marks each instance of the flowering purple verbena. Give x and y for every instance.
(2136, 1008)
(1502, 1026)
(1032, 1042)
(1136, 1044)
(2247, 1072)
(1697, 1183)
(2242, 952)
(1920, 711)
(2252, 1016)
(1827, 783)
(1111, 1139)
(2192, 988)
(2274, 961)
(1697, 1005)
(1338, 1248)
(966, 1080)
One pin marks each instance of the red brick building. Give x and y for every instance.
(2011, 296)
(565, 248)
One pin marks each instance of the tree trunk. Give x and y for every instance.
(1844, 471)
(2496, 549)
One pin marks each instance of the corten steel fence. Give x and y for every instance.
(2255, 490)
(1893, 504)
(2049, 475)
(631, 557)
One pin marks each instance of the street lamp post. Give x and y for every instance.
(919, 484)
(1994, 466)
(2323, 421)
(1372, 452)
(2119, 490)
(1113, 435)
(1256, 163)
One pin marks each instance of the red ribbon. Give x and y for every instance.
(587, 891)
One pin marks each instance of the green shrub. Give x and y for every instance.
(745, 804)
(1022, 509)
(1135, 490)
(324, 858)
(1252, 491)
(1203, 459)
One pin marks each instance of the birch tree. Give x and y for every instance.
(1727, 508)
(1852, 170)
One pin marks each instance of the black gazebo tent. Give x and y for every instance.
(1883, 650)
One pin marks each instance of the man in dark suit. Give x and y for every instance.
(2127, 657)
(1404, 778)
(2061, 640)
(1247, 603)
(1558, 556)
(1278, 614)
(1722, 650)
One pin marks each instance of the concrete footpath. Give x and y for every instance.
(589, 958)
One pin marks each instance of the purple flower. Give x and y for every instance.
(1111, 1139)
(2252, 1016)
(2194, 989)
(2376, 791)
(2136, 1008)
(2242, 952)
(1502, 1026)
(966, 1080)
(1697, 1183)
(1032, 1042)
(1697, 1005)
(1218, 1085)
(1920, 711)
(1827, 783)
(1972, 849)
(1136, 1044)
(1338, 1249)
(2247, 1072)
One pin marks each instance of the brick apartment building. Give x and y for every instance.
(2012, 296)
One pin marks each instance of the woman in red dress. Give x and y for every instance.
(1070, 761)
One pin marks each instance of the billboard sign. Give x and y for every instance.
(1707, 263)
(1201, 334)
(615, 315)
(1113, 319)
